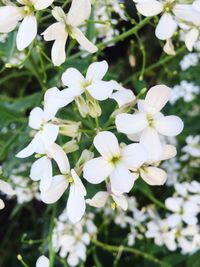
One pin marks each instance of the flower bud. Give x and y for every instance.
(70, 146)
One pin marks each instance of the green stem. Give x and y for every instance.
(134, 251)
(51, 251)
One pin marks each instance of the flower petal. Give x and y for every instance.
(56, 190)
(97, 71)
(58, 154)
(42, 261)
(133, 156)
(36, 118)
(196, 5)
(123, 97)
(169, 125)
(55, 31)
(78, 12)
(153, 176)
(58, 55)
(101, 90)
(191, 37)
(186, 12)
(49, 134)
(9, 17)
(75, 204)
(149, 8)
(73, 78)
(151, 142)
(107, 145)
(2, 205)
(42, 170)
(166, 27)
(98, 200)
(169, 152)
(83, 41)
(97, 170)
(6, 188)
(27, 32)
(42, 4)
(121, 201)
(174, 203)
(121, 179)
(131, 124)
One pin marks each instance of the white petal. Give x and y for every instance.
(191, 37)
(59, 14)
(107, 145)
(72, 259)
(83, 41)
(58, 154)
(27, 32)
(42, 261)
(97, 170)
(78, 183)
(169, 48)
(75, 204)
(34, 146)
(121, 179)
(56, 190)
(123, 97)
(149, 7)
(79, 12)
(121, 201)
(49, 134)
(151, 142)
(166, 27)
(153, 176)
(42, 170)
(196, 5)
(9, 17)
(42, 4)
(6, 188)
(73, 78)
(169, 152)
(55, 31)
(157, 97)
(36, 118)
(169, 125)
(99, 199)
(186, 13)
(2, 205)
(174, 203)
(97, 71)
(58, 55)
(134, 155)
(131, 124)
(174, 220)
(190, 219)
(101, 90)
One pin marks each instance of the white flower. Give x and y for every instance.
(183, 211)
(193, 146)
(149, 122)
(42, 261)
(92, 83)
(42, 168)
(67, 25)
(6, 189)
(100, 198)
(76, 201)
(10, 15)
(40, 120)
(115, 162)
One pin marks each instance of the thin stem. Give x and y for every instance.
(134, 251)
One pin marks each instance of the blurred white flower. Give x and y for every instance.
(6, 189)
(192, 147)
(67, 25)
(115, 162)
(189, 60)
(10, 15)
(149, 122)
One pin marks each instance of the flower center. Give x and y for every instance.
(29, 9)
(115, 160)
(168, 6)
(150, 119)
(69, 178)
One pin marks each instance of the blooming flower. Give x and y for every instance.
(68, 25)
(76, 201)
(149, 122)
(114, 162)
(10, 15)
(40, 120)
